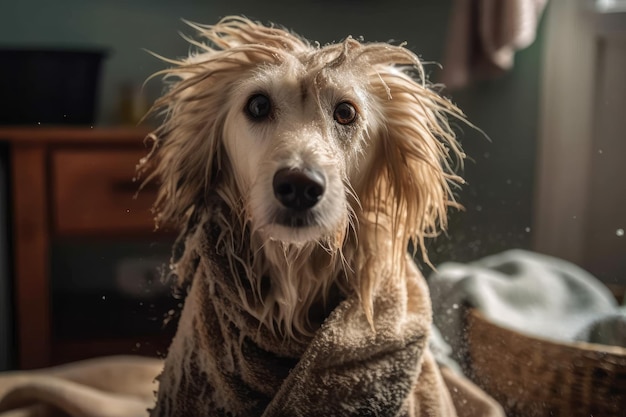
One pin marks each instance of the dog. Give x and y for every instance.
(298, 175)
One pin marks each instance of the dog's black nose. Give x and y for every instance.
(298, 189)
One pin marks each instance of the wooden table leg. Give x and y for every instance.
(31, 239)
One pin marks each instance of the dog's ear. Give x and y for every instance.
(416, 151)
(187, 154)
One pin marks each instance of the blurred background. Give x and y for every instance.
(549, 177)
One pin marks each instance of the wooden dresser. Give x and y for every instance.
(76, 183)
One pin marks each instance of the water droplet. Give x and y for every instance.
(527, 229)
(509, 182)
(574, 217)
(455, 306)
(127, 210)
(600, 151)
(619, 232)
(137, 345)
(479, 208)
(104, 297)
(38, 123)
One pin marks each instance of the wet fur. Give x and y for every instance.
(389, 173)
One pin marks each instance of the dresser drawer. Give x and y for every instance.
(94, 192)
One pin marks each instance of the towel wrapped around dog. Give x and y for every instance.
(222, 362)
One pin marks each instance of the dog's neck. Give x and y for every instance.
(289, 289)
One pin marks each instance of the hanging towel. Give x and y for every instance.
(484, 36)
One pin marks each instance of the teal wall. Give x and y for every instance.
(499, 195)
(501, 174)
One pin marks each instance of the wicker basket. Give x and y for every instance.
(537, 377)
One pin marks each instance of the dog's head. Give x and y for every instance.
(301, 140)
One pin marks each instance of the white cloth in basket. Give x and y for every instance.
(527, 292)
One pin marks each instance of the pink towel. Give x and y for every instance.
(484, 36)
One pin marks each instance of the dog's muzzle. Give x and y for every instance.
(298, 189)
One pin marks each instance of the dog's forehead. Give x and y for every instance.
(298, 77)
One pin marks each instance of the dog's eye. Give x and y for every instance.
(345, 113)
(259, 106)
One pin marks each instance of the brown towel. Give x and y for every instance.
(222, 363)
(484, 36)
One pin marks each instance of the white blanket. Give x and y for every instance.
(527, 292)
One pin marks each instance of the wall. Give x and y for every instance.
(605, 243)
(122, 28)
(580, 199)
(500, 172)
(499, 195)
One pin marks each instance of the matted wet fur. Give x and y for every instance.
(266, 279)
